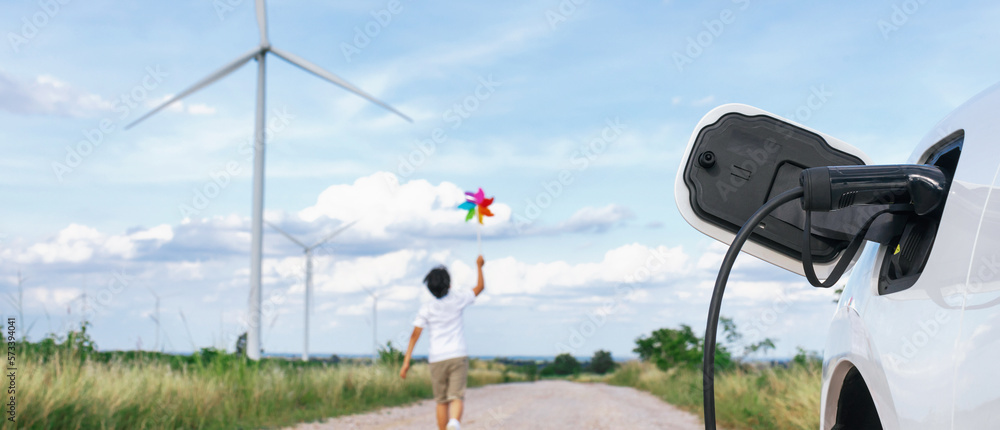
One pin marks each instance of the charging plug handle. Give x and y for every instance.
(836, 187)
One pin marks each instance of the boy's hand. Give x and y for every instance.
(406, 367)
(479, 284)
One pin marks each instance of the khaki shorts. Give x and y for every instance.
(448, 379)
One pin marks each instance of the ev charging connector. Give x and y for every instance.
(836, 187)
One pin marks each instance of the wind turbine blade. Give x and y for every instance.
(262, 22)
(188, 330)
(218, 74)
(334, 234)
(273, 320)
(369, 290)
(28, 331)
(168, 342)
(318, 71)
(286, 234)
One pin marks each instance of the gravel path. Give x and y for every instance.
(537, 405)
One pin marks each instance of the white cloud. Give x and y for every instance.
(703, 101)
(384, 207)
(360, 274)
(596, 219)
(625, 264)
(200, 109)
(177, 106)
(78, 243)
(398, 239)
(661, 277)
(180, 107)
(390, 216)
(47, 95)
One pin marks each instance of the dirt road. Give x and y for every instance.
(539, 405)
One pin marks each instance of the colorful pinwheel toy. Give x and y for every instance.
(478, 205)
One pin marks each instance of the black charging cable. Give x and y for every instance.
(846, 257)
(708, 366)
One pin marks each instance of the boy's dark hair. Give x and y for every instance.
(438, 281)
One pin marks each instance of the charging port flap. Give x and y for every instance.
(737, 159)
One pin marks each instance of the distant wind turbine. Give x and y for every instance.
(48, 318)
(308, 249)
(156, 318)
(259, 53)
(18, 302)
(84, 307)
(374, 295)
(194, 348)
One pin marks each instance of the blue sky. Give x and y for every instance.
(561, 72)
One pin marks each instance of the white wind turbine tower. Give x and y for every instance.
(374, 295)
(308, 249)
(259, 53)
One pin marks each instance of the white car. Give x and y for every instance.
(915, 340)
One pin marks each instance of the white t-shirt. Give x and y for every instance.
(443, 317)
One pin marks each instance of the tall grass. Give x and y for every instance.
(747, 398)
(66, 391)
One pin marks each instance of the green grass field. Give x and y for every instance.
(772, 398)
(66, 384)
(67, 390)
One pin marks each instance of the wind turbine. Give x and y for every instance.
(17, 302)
(156, 319)
(84, 307)
(194, 348)
(259, 53)
(374, 295)
(307, 249)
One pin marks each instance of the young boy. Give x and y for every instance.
(448, 360)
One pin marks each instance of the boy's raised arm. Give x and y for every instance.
(479, 284)
(409, 351)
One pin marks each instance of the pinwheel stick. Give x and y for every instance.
(479, 238)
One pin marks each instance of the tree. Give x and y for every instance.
(565, 364)
(806, 358)
(729, 331)
(602, 362)
(241, 345)
(667, 348)
(763, 346)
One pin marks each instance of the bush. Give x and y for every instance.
(602, 362)
(529, 370)
(807, 358)
(390, 356)
(565, 364)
